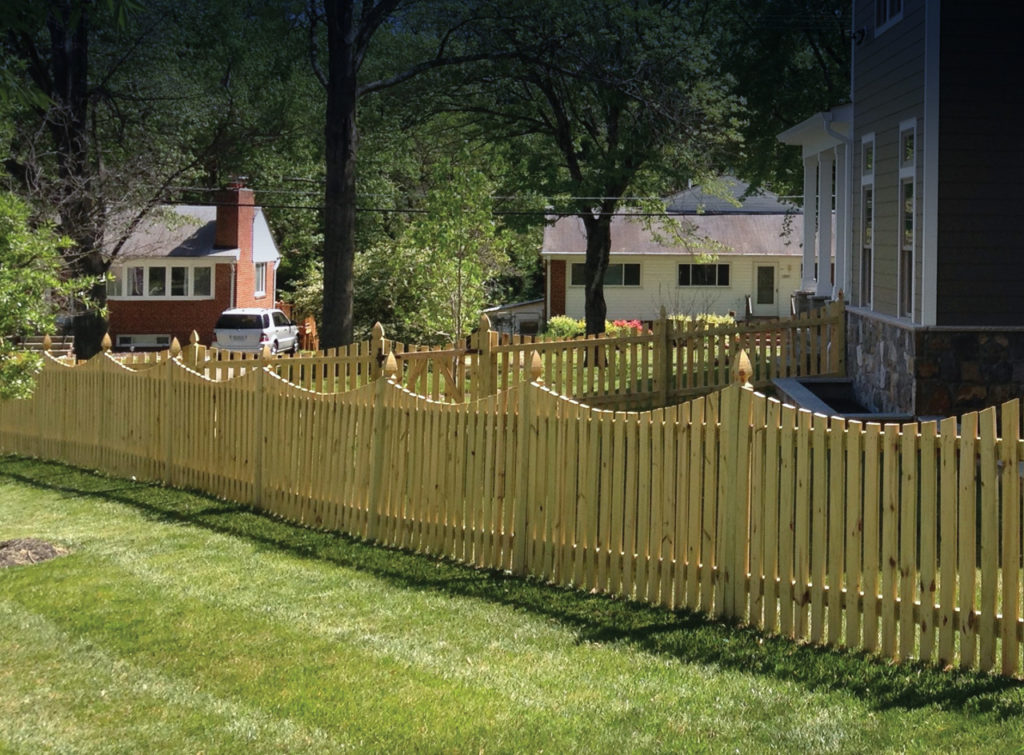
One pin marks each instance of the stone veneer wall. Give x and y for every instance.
(880, 359)
(932, 372)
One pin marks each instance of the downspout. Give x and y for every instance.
(234, 272)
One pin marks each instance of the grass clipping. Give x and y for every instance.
(26, 551)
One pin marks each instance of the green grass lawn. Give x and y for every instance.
(179, 623)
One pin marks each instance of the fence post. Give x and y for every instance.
(525, 427)
(377, 351)
(484, 360)
(259, 389)
(375, 505)
(662, 358)
(839, 335)
(194, 354)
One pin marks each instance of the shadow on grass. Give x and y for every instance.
(684, 635)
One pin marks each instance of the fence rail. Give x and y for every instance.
(901, 541)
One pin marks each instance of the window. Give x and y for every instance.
(887, 12)
(617, 274)
(179, 281)
(907, 215)
(145, 341)
(260, 284)
(202, 281)
(703, 275)
(160, 282)
(867, 224)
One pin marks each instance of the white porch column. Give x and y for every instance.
(825, 159)
(810, 221)
(843, 228)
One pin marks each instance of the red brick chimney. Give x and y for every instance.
(235, 214)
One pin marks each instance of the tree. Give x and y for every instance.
(790, 59)
(128, 111)
(428, 279)
(434, 33)
(619, 99)
(31, 288)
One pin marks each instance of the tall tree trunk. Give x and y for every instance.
(340, 195)
(599, 247)
(80, 213)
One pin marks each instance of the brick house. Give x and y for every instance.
(185, 265)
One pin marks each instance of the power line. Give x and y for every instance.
(547, 212)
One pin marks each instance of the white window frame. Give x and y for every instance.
(867, 251)
(259, 288)
(117, 289)
(907, 176)
(887, 13)
(612, 285)
(716, 265)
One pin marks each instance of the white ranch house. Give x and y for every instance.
(732, 257)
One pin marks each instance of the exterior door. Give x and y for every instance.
(766, 300)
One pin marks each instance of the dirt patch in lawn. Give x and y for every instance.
(28, 550)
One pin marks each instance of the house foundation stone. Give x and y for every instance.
(932, 372)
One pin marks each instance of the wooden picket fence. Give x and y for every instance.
(901, 541)
(668, 363)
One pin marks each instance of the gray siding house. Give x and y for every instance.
(925, 173)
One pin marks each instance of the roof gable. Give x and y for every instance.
(189, 231)
(729, 234)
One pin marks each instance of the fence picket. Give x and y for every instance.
(890, 542)
(988, 480)
(948, 522)
(910, 471)
(926, 585)
(1011, 536)
(871, 535)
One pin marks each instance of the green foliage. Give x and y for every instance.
(790, 59)
(31, 288)
(561, 327)
(707, 319)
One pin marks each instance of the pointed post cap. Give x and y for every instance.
(47, 343)
(265, 351)
(536, 368)
(744, 370)
(175, 348)
(485, 322)
(391, 367)
(193, 338)
(106, 343)
(378, 331)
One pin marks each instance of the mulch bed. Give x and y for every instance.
(26, 551)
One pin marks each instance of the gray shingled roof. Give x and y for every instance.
(181, 231)
(189, 231)
(694, 201)
(759, 234)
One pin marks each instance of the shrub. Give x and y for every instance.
(561, 327)
(706, 319)
(620, 328)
